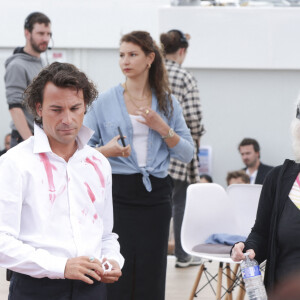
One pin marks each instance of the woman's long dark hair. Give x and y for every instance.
(158, 78)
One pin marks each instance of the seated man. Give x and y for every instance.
(205, 178)
(236, 177)
(250, 153)
(56, 213)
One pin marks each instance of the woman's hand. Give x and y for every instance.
(152, 119)
(237, 252)
(114, 149)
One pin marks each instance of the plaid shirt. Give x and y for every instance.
(184, 88)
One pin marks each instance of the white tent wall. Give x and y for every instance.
(237, 102)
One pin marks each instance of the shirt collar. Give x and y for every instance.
(252, 176)
(172, 63)
(41, 142)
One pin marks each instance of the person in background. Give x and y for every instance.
(237, 177)
(21, 68)
(184, 88)
(275, 234)
(250, 153)
(151, 120)
(205, 178)
(56, 213)
(6, 144)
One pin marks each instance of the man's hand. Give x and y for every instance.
(113, 275)
(237, 252)
(78, 268)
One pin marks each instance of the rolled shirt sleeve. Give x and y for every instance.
(110, 244)
(184, 150)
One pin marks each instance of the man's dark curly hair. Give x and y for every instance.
(62, 75)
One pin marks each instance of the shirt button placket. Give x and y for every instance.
(73, 215)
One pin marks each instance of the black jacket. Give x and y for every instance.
(262, 172)
(263, 236)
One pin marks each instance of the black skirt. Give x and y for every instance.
(142, 220)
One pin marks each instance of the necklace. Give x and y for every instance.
(132, 97)
(140, 100)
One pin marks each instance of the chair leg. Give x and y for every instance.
(196, 283)
(219, 283)
(242, 291)
(229, 283)
(233, 279)
(235, 270)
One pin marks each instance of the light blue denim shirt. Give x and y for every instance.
(109, 111)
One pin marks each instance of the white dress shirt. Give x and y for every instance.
(252, 176)
(52, 210)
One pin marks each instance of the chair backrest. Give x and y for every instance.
(207, 211)
(244, 202)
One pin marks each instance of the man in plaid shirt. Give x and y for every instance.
(184, 87)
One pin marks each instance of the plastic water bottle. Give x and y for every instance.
(253, 281)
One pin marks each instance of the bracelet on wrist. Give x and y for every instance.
(170, 134)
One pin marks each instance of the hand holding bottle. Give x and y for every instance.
(253, 280)
(237, 252)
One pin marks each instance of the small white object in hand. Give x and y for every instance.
(107, 266)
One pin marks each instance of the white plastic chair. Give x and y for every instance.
(244, 202)
(208, 211)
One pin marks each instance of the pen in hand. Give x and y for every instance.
(121, 137)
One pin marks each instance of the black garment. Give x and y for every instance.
(24, 287)
(288, 241)
(15, 138)
(263, 237)
(2, 152)
(178, 207)
(142, 220)
(262, 172)
(20, 50)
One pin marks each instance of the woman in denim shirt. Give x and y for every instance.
(154, 128)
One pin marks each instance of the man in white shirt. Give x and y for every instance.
(250, 154)
(56, 214)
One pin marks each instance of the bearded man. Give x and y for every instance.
(21, 68)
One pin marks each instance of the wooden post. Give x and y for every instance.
(196, 283)
(229, 283)
(219, 283)
(242, 291)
